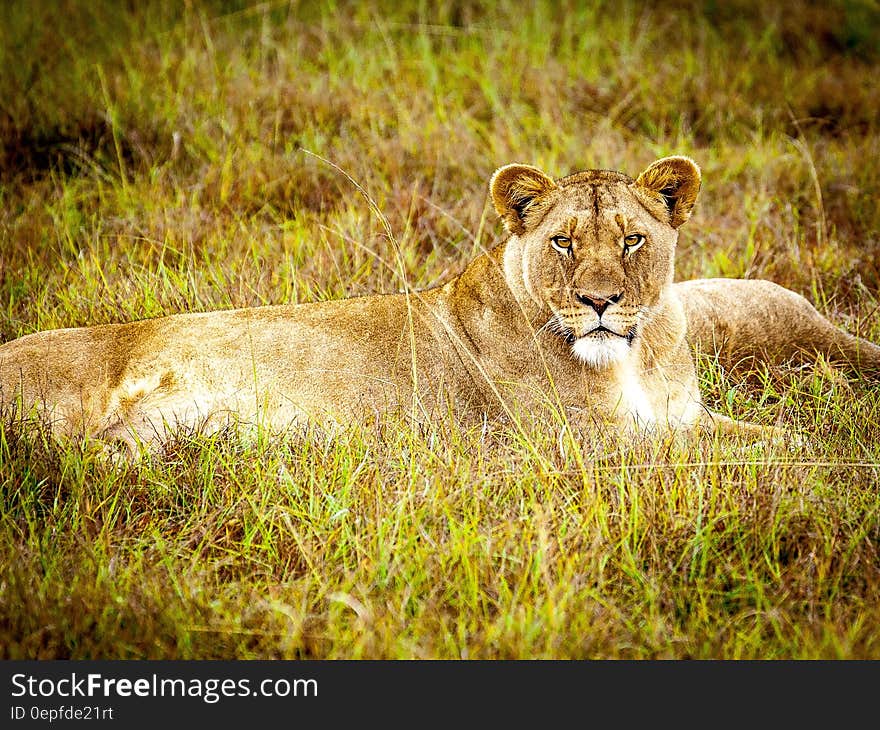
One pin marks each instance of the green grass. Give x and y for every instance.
(152, 162)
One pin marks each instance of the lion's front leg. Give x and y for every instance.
(717, 423)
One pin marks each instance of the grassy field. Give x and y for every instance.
(178, 157)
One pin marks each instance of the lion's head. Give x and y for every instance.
(594, 250)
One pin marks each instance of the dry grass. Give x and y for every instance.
(151, 162)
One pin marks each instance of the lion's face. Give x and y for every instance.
(595, 250)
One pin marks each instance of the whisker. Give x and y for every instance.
(557, 325)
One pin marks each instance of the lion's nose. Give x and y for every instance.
(599, 302)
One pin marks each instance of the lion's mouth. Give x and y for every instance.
(601, 332)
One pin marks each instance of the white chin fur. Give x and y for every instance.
(600, 352)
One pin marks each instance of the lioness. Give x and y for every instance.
(576, 309)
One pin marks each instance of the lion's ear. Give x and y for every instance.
(514, 190)
(675, 181)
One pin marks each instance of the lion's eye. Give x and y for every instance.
(632, 242)
(561, 243)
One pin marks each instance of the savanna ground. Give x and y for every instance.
(152, 161)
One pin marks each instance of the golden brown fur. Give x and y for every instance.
(576, 310)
